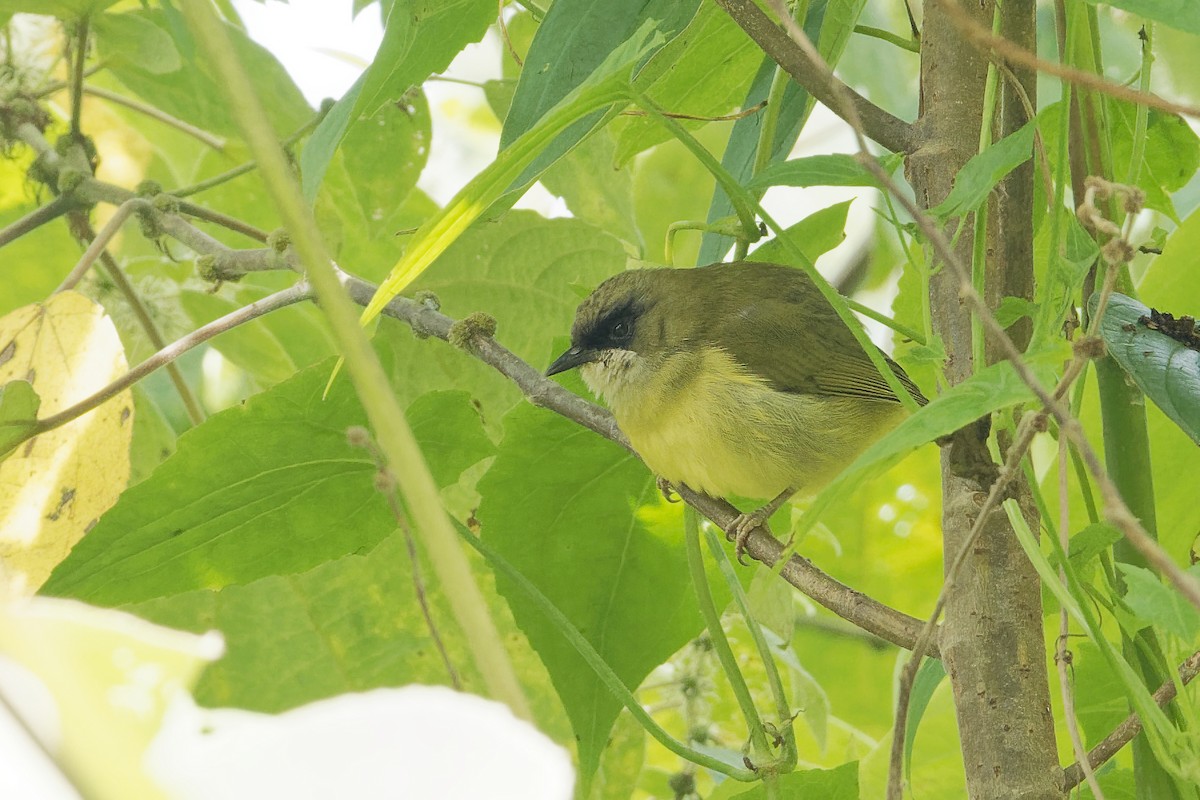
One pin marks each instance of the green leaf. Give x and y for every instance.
(421, 37)
(815, 235)
(703, 72)
(1183, 15)
(1170, 157)
(929, 677)
(268, 488)
(1158, 604)
(63, 9)
(828, 784)
(135, 41)
(1012, 309)
(836, 169)
(1091, 542)
(574, 39)
(983, 171)
(18, 412)
(1166, 369)
(193, 92)
(607, 552)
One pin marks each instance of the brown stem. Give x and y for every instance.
(1131, 726)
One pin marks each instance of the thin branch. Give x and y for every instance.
(512, 51)
(242, 169)
(77, 78)
(36, 218)
(286, 297)
(224, 220)
(99, 241)
(199, 134)
(890, 131)
(1131, 726)
(911, 45)
(1005, 50)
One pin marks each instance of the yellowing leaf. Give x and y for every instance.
(103, 680)
(53, 487)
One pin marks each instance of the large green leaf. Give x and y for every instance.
(581, 518)
(1160, 605)
(193, 92)
(1166, 369)
(268, 488)
(1170, 156)
(134, 40)
(421, 37)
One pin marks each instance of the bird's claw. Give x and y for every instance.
(739, 532)
(668, 491)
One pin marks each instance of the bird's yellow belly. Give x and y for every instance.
(716, 429)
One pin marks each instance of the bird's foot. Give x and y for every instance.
(742, 526)
(668, 491)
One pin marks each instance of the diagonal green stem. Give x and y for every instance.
(712, 619)
(603, 671)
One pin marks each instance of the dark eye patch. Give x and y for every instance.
(615, 328)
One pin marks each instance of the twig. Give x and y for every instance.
(77, 78)
(911, 45)
(201, 135)
(224, 220)
(1005, 50)
(242, 169)
(1131, 726)
(890, 131)
(36, 218)
(512, 51)
(754, 109)
(386, 484)
(286, 297)
(99, 241)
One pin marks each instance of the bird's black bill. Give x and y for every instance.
(571, 359)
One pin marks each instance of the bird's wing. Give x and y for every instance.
(800, 345)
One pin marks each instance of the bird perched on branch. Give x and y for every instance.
(734, 379)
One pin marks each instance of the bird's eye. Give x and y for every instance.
(620, 330)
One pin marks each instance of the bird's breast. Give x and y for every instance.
(702, 419)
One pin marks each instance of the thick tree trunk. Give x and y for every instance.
(991, 641)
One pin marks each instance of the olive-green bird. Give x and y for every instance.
(732, 379)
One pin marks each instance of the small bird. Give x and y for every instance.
(734, 379)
